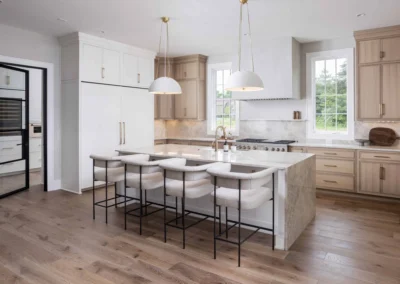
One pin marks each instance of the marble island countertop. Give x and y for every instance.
(252, 158)
(206, 139)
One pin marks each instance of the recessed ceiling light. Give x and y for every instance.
(361, 15)
(62, 20)
(103, 32)
(1, 1)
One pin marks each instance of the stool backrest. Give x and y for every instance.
(111, 161)
(134, 162)
(226, 178)
(175, 169)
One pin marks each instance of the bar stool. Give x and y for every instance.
(242, 191)
(143, 174)
(109, 169)
(184, 182)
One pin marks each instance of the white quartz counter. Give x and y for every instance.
(347, 146)
(244, 158)
(205, 139)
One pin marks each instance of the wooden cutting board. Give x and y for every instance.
(382, 136)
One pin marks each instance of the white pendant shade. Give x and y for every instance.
(244, 81)
(165, 86)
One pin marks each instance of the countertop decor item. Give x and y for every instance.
(165, 85)
(244, 81)
(362, 141)
(382, 136)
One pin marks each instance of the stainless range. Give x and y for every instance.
(263, 144)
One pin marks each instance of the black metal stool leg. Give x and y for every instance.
(183, 213)
(115, 194)
(226, 221)
(106, 192)
(215, 204)
(176, 210)
(165, 207)
(273, 211)
(220, 224)
(240, 211)
(125, 195)
(94, 197)
(145, 202)
(141, 205)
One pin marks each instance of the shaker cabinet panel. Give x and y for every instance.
(391, 91)
(186, 103)
(145, 77)
(369, 92)
(369, 51)
(391, 49)
(129, 70)
(370, 181)
(390, 179)
(166, 106)
(92, 63)
(111, 65)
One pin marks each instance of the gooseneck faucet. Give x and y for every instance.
(216, 136)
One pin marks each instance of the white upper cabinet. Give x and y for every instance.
(111, 67)
(92, 63)
(10, 79)
(137, 71)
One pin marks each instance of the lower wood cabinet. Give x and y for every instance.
(335, 182)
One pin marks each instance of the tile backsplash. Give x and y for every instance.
(295, 130)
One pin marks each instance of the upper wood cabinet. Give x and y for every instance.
(190, 72)
(378, 74)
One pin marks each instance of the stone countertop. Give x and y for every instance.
(206, 139)
(347, 146)
(207, 154)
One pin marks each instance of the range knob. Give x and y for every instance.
(248, 147)
(239, 147)
(254, 147)
(273, 149)
(283, 149)
(266, 148)
(277, 149)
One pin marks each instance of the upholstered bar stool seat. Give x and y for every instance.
(143, 173)
(107, 168)
(185, 181)
(241, 191)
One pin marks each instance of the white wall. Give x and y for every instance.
(19, 45)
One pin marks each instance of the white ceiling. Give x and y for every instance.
(199, 26)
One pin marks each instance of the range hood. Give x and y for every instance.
(278, 64)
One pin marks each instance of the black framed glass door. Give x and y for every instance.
(14, 130)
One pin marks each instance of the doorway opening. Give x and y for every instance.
(23, 128)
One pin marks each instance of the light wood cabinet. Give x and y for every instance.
(391, 90)
(369, 51)
(187, 70)
(369, 177)
(378, 74)
(390, 179)
(186, 103)
(164, 104)
(296, 149)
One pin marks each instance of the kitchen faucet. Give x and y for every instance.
(216, 136)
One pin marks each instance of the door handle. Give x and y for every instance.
(330, 166)
(124, 132)
(120, 133)
(330, 181)
(138, 78)
(382, 173)
(102, 72)
(382, 54)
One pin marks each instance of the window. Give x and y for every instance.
(330, 94)
(221, 109)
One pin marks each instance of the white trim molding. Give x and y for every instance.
(311, 58)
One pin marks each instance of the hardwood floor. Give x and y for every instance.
(51, 238)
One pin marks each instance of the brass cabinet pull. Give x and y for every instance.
(102, 72)
(383, 109)
(382, 54)
(184, 112)
(330, 181)
(138, 78)
(331, 166)
(120, 133)
(333, 154)
(184, 74)
(124, 132)
(8, 80)
(382, 157)
(382, 173)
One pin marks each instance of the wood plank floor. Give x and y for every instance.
(51, 238)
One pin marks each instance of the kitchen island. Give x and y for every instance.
(294, 185)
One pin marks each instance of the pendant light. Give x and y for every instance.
(244, 81)
(165, 85)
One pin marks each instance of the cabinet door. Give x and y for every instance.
(129, 70)
(111, 65)
(16, 80)
(186, 103)
(156, 107)
(92, 63)
(391, 49)
(370, 181)
(100, 125)
(369, 51)
(180, 101)
(146, 72)
(391, 91)
(369, 92)
(391, 179)
(190, 70)
(166, 106)
(179, 69)
(137, 115)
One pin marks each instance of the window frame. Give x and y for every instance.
(211, 98)
(311, 58)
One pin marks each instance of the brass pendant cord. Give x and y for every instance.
(240, 36)
(166, 67)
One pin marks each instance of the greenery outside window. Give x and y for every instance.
(330, 88)
(221, 108)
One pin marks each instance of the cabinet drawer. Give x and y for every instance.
(11, 148)
(384, 156)
(335, 182)
(35, 145)
(296, 149)
(160, 142)
(35, 160)
(335, 166)
(334, 153)
(12, 167)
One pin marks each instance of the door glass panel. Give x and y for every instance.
(13, 130)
